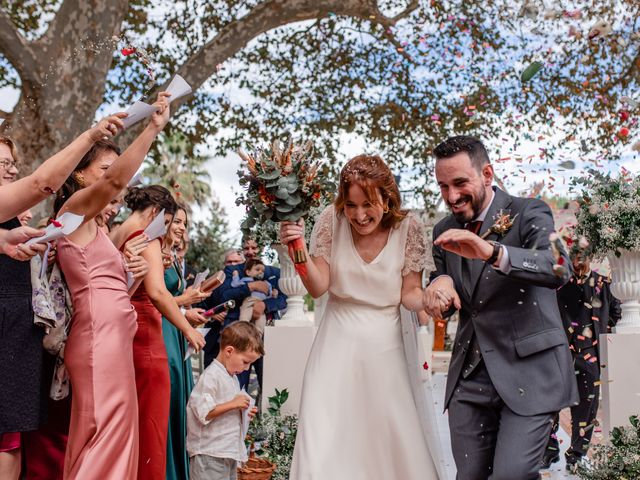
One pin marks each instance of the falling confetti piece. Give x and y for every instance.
(568, 165)
(623, 132)
(624, 115)
(56, 223)
(599, 30)
(126, 51)
(531, 71)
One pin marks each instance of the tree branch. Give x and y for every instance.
(17, 50)
(269, 15)
(413, 5)
(4, 114)
(80, 20)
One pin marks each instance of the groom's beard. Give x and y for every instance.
(476, 206)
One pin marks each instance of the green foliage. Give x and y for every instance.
(208, 240)
(621, 459)
(175, 164)
(281, 184)
(274, 435)
(277, 401)
(402, 84)
(609, 212)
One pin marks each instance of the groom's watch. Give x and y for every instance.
(495, 254)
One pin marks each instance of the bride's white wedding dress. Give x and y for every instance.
(358, 416)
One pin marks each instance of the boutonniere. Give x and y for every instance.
(502, 223)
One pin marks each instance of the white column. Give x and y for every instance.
(288, 343)
(620, 351)
(625, 286)
(620, 382)
(291, 285)
(287, 350)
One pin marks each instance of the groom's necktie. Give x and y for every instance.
(474, 226)
(473, 356)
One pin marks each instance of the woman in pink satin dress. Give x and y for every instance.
(103, 435)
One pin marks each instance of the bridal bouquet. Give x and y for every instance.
(283, 184)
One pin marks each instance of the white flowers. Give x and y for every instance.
(609, 214)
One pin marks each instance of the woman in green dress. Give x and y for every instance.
(176, 345)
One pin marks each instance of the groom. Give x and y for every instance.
(511, 366)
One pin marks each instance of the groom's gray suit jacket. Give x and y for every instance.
(515, 316)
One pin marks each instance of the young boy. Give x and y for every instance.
(252, 309)
(214, 413)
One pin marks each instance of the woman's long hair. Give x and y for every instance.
(71, 184)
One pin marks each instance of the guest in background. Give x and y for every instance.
(231, 257)
(272, 306)
(152, 300)
(180, 373)
(588, 309)
(253, 307)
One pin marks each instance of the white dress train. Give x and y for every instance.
(359, 419)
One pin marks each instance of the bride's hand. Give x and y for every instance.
(290, 231)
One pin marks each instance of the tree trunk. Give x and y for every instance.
(64, 85)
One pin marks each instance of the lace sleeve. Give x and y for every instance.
(415, 251)
(321, 235)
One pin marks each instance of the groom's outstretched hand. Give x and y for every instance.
(464, 243)
(440, 296)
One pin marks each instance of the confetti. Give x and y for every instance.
(599, 30)
(531, 71)
(623, 132)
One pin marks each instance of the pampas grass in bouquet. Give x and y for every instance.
(282, 185)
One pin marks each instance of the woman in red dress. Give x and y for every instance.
(152, 300)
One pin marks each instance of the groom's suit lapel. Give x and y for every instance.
(501, 201)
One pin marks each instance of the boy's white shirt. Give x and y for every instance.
(221, 437)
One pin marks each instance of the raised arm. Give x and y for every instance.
(28, 191)
(91, 200)
(533, 262)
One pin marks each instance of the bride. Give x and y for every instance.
(358, 417)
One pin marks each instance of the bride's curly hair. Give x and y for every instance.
(373, 176)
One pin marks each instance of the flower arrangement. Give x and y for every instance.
(274, 435)
(618, 461)
(283, 184)
(609, 213)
